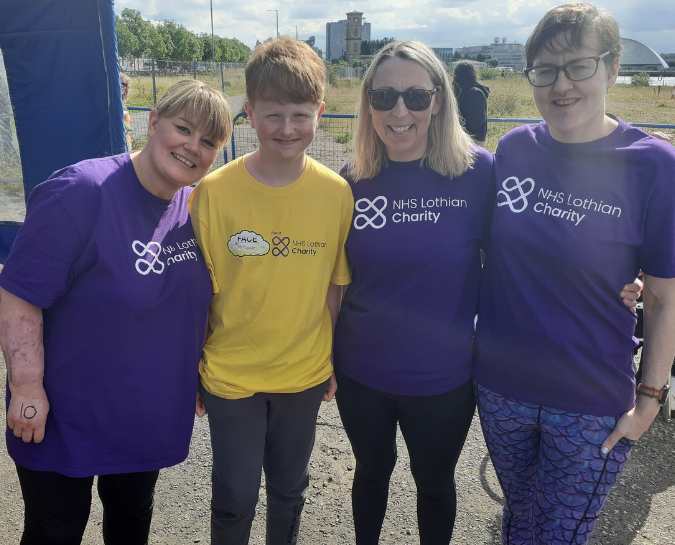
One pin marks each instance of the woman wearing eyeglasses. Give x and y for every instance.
(403, 340)
(584, 202)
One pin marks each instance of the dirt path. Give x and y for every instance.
(640, 511)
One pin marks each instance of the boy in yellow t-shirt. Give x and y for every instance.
(272, 227)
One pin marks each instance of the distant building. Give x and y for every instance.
(637, 57)
(444, 53)
(336, 39)
(508, 55)
(476, 64)
(473, 51)
(354, 34)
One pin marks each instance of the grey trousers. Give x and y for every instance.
(274, 432)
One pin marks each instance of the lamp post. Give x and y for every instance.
(276, 12)
(213, 41)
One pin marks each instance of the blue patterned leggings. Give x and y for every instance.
(548, 462)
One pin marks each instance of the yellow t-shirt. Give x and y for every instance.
(272, 253)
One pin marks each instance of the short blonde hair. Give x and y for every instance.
(285, 70)
(202, 105)
(450, 150)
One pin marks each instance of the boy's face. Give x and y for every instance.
(284, 130)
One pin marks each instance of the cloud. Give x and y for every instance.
(449, 23)
(248, 243)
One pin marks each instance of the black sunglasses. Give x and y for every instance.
(416, 100)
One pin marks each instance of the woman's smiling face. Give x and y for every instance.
(574, 110)
(403, 132)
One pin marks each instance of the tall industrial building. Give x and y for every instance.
(336, 38)
(354, 24)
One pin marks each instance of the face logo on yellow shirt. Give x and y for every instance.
(248, 243)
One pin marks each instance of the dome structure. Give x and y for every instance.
(638, 56)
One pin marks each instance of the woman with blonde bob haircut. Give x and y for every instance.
(103, 313)
(403, 339)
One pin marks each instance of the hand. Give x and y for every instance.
(200, 408)
(630, 294)
(330, 389)
(27, 412)
(662, 136)
(632, 424)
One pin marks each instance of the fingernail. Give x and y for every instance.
(604, 451)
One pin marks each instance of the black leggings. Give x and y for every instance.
(57, 507)
(434, 429)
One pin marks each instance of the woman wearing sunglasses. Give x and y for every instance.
(584, 202)
(403, 339)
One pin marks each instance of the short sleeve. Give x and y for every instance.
(657, 254)
(341, 275)
(60, 217)
(199, 215)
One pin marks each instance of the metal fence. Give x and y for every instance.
(332, 144)
(152, 77)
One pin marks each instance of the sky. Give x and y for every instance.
(438, 23)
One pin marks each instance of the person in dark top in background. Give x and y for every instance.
(472, 99)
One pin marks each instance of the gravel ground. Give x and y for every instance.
(640, 511)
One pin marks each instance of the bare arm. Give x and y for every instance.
(333, 302)
(22, 346)
(659, 351)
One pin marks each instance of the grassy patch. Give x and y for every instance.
(140, 90)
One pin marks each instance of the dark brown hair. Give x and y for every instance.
(569, 25)
(285, 70)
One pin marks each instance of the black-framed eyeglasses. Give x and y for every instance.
(415, 99)
(545, 75)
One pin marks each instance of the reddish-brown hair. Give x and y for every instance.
(285, 70)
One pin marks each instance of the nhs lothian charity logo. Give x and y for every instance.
(148, 257)
(514, 193)
(370, 213)
(280, 248)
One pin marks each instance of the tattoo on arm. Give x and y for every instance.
(28, 412)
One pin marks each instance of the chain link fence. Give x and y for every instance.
(331, 146)
(150, 77)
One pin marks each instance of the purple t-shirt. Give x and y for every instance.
(406, 323)
(125, 295)
(573, 224)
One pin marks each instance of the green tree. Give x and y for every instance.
(166, 41)
(137, 37)
(370, 47)
(141, 30)
(127, 43)
(186, 45)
